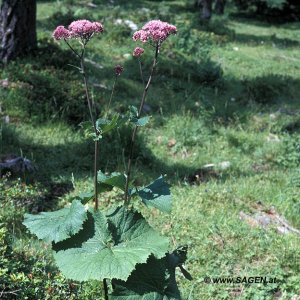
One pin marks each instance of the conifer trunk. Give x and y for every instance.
(17, 28)
(219, 6)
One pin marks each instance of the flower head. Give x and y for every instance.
(118, 70)
(138, 51)
(61, 33)
(83, 29)
(155, 30)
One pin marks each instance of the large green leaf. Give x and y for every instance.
(105, 125)
(84, 197)
(122, 239)
(89, 131)
(157, 194)
(107, 182)
(142, 121)
(133, 117)
(154, 280)
(76, 240)
(58, 225)
(102, 126)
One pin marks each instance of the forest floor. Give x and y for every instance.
(225, 93)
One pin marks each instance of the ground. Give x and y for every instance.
(224, 91)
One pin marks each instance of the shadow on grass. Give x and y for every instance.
(259, 39)
(217, 25)
(55, 164)
(58, 163)
(263, 19)
(220, 26)
(61, 160)
(237, 99)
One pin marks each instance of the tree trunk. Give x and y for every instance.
(219, 6)
(206, 9)
(17, 28)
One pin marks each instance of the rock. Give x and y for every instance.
(263, 220)
(131, 25)
(202, 175)
(282, 230)
(277, 295)
(6, 119)
(268, 218)
(273, 138)
(248, 219)
(128, 23)
(16, 164)
(127, 55)
(159, 139)
(209, 166)
(224, 165)
(92, 5)
(171, 143)
(260, 167)
(4, 83)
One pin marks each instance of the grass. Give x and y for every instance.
(224, 91)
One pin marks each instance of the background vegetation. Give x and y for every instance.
(227, 90)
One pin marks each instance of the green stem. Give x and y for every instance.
(129, 166)
(111, 95)
(105, 289)
(87, 93)
(95, 174)
(141, 71)
(94, 125)
(73, 50)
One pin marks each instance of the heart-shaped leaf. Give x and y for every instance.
(122, 239)
(153, 280)
(58, 225)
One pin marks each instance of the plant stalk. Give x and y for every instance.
(95, 129)
(112, 94)
(105, 289)
(141, 72)
(129, 166)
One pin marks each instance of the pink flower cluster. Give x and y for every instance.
(155, 30)
(83, 29)
(138, 51)
(118, 70)
(61, 33)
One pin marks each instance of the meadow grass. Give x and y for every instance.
(224, 91)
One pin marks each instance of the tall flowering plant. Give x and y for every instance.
(115, 245)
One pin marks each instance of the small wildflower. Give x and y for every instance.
(155, 30)
(61, 33)
(118, 70)
(138, 51)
